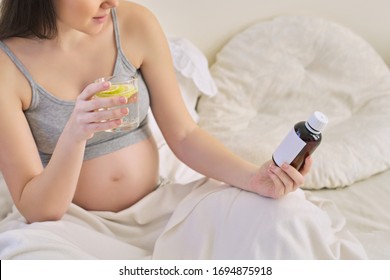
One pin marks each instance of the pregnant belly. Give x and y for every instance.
(117, 180)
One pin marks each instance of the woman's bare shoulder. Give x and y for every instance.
(133, 16)
(140, 31)
(12, 81)
(132, 9)
(7, 67)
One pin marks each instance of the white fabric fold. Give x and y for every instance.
(204, 219)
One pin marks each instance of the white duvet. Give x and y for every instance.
(200, 220)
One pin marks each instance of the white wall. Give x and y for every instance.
(210, 23)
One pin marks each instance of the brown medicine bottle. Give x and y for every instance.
(301, 142)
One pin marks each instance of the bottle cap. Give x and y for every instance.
(318, 121)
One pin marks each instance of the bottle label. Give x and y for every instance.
(288, 149)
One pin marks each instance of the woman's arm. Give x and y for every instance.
(191, 144)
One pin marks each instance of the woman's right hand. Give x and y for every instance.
(88, 117)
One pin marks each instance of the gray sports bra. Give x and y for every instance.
(48, 114)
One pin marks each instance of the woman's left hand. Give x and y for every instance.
(275, 182)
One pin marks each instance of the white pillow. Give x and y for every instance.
(192, 72)
(277, 72)
(194, 78)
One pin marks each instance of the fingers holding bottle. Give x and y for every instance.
(287, 178)
(273, 181)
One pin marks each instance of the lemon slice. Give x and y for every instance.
(118, 90)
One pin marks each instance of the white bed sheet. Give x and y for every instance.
(200, 220)
(366, 207)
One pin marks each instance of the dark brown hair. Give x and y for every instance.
(27, 18)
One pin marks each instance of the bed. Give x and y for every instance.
(247, 73)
